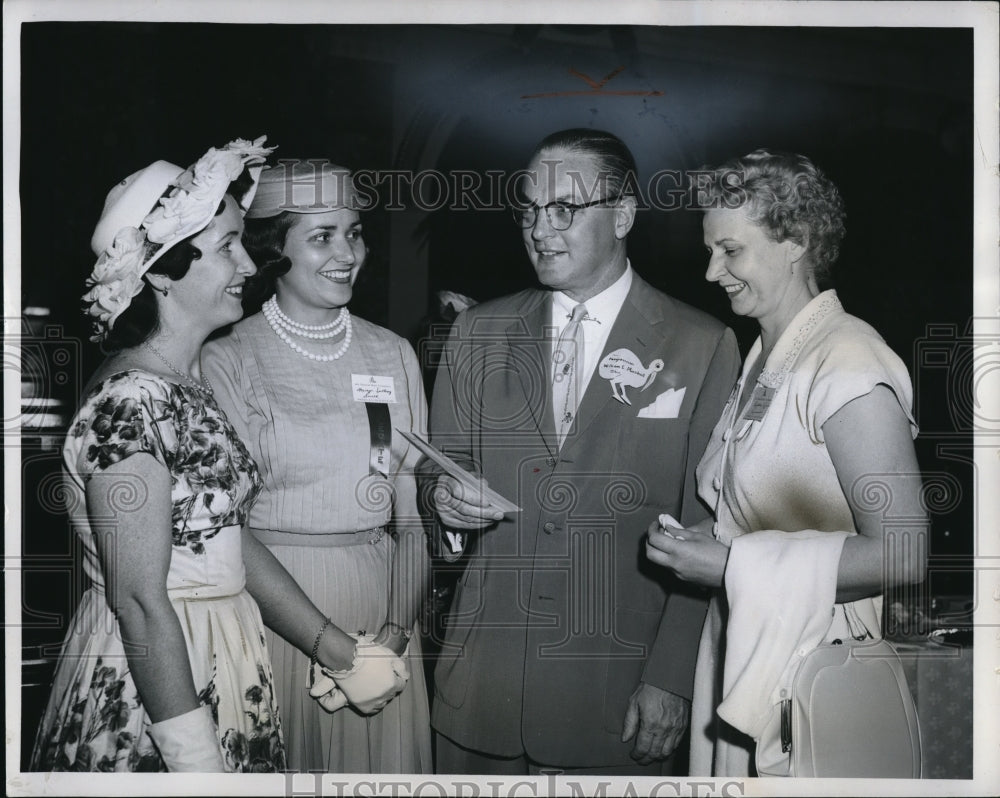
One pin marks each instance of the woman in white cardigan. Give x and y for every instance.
(813, 451)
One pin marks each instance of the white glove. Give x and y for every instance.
(324, 689)
(374, 679)
(189, 743)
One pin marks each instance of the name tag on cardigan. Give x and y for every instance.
(371, 388)
(759, 402)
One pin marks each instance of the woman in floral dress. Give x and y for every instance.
(165, 665)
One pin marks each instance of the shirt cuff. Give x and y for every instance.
(456, 540)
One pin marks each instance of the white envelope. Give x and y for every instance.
(666, 405)
(459, 473)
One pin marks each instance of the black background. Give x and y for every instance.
(886, 113)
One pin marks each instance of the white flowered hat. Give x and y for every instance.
(150, 211)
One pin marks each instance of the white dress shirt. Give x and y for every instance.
(602, 311)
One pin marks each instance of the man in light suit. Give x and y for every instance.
(564, 648)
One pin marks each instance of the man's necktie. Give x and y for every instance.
(567, 359)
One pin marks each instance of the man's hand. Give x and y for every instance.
(463, 508)
(660, 717)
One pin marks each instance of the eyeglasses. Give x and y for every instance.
(559, 214)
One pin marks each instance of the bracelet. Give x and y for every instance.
(319, 636)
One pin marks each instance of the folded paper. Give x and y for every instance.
(469, 481)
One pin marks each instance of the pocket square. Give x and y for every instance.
(666, 405)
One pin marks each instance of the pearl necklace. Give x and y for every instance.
(315, 331)
(204, 386)
(275, 323)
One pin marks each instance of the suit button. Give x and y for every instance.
(550, 461)
(726, 434)
(717, 483)
(549, 527)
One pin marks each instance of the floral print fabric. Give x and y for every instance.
(95, 720)
(214, 479)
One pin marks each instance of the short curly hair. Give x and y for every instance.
(787, 195)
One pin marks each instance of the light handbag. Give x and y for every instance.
(851, 714)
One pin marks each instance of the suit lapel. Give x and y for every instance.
(530, 352)
(632, 330)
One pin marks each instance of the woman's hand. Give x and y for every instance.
(376, 677)
(463, 508)
(691, 553)
(366, 696)
(189, 743)
(324, 689)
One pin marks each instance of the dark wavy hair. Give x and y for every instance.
(787, 195)
(616, 164)
(264, 241)
(141, 319)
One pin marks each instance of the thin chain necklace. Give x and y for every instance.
(205, 386)
(314, 331)
(271, 314)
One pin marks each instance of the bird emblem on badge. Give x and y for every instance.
(623, 369)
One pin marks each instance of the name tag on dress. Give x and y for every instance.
(759, 402)
(370, 388)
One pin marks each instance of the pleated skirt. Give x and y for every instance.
(351, 585)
